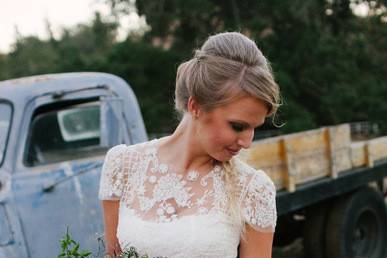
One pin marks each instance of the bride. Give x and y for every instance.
(188, 195)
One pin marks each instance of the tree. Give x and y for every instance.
(151, 73)
(86, 46)
(30, 56)
(328, 61)
(3, 75)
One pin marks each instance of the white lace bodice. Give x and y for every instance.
(165, 214)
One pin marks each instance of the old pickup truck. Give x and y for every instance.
(54, 133)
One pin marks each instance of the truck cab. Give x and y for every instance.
(54, 133)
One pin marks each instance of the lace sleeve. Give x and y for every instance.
(112, 175)
(259, 207)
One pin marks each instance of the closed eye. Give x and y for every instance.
(238, 127)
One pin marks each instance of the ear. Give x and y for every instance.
(193, 107)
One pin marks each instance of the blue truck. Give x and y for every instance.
(54, 133)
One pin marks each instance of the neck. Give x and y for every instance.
(183, 150)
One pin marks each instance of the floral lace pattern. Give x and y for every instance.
(155, 196)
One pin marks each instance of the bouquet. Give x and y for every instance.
(70, 249)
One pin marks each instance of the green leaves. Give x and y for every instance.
(132, 253)
(70, 248)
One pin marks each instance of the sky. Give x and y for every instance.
(29, 17)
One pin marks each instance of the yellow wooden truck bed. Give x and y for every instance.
(293, 159)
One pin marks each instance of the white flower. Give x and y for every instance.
(160, 212)
(152, 179)
(170, 210)
(217, 168)
(163, 168)
(200, 201)
(192, 176)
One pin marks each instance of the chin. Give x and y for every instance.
(222, 157)
(220, 154)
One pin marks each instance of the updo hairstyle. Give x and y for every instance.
(228, 64)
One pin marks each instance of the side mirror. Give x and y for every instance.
(112, 121)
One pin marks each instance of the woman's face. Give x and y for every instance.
(223, 131)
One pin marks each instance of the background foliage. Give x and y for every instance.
(329, 62)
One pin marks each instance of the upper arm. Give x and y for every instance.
(256, 244)
(113, 179)
(110, 215)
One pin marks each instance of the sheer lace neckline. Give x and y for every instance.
(163, 195)
(191, 175)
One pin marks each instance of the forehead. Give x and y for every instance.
(247, 109)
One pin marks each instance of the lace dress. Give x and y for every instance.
(164, 214)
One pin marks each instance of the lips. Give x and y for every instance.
(233, 152)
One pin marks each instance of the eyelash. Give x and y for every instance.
(237, 127)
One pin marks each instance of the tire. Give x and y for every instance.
(357, 226)
(287, 230)
(314, 231)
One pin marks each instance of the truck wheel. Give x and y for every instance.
(314, 231)
(357, 226)
(287, 230)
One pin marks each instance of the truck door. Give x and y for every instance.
(57, 183)
(6, 236)
(10, 233)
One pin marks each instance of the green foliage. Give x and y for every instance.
(328, 62)
(23, 60)
(151, 73)
(132, 253)
(70, 248)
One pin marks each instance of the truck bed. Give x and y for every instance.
(318, 163)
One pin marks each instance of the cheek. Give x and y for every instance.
(217, 144)
(220, 136)
(215, 134)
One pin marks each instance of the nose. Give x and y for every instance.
(246, 138)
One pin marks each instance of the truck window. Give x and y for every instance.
(5, 122)
(64, 134)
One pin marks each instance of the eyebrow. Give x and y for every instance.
(246, 124)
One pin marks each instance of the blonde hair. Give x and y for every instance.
(227, 65)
